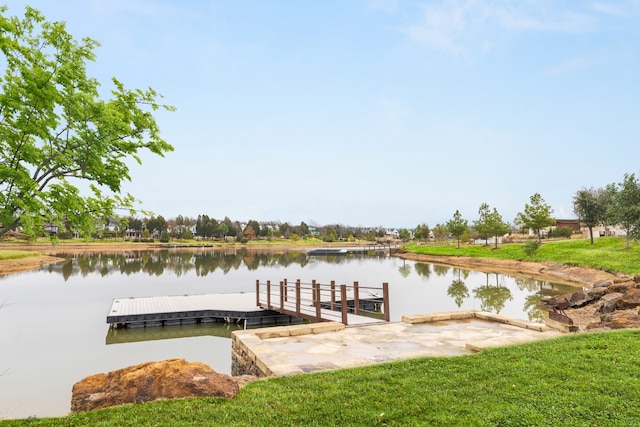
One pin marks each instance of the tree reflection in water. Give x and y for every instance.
(458, 289)
(492, 298)
(179, 261)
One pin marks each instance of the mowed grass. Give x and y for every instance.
(588, 379)
(609, 254)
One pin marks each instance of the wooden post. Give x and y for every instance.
(257, 293)
(286, 290)
(282, 291)
(268, 294)
(316, 292)
(313, 293)
(385, 299)
(298, 297)
(356, 298)
(333, 295)
(343, 298)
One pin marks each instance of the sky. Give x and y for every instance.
(372, 113)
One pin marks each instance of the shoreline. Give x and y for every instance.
(547, 271)
(555, 272)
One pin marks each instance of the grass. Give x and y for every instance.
(578, 380)
(8, 254)
(608, 254)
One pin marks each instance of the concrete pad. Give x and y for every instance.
(383, 342)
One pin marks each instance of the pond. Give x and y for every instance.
(53, 326)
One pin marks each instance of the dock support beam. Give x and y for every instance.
(343, 299)
(385, 298)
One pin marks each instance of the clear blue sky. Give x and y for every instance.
(373, 112)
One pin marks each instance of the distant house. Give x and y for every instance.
(573, 224)
(51, 229)
(605, 231)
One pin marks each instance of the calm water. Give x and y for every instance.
(53, 323)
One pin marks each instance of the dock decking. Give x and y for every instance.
(178, 309)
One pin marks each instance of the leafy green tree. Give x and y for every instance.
(404, 235)
(624, 206)
(56, 131)
(164, 236)
(285, 230)
(422, 232)
(231, 228)
(221, 230)
(440, 233)
(457, 226)
(157, 224)
(536, 215)
(589, 206)
(496, 226)
(330, 235)
(187, 234)
(205, 226)
(482, 223)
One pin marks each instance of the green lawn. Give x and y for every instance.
(588, 379)
(609, 254)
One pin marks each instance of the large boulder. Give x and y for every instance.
(609, 302)
(631, 299)
(622, 287)
(167, 379)
(625, 319)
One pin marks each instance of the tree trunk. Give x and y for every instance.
(591, 234)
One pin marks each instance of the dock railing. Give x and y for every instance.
(319, 302)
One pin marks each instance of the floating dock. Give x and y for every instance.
(349, 250)
(238, 308)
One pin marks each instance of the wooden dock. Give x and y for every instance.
(271, 304)
(317, 302)
(239, 308)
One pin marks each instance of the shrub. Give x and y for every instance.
(565, 232)
(531, 248)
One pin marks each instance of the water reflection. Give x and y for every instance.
(202, 263)
(129, 335)
(492, 298)
(458, 289)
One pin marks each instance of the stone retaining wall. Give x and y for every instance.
(243, 359)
